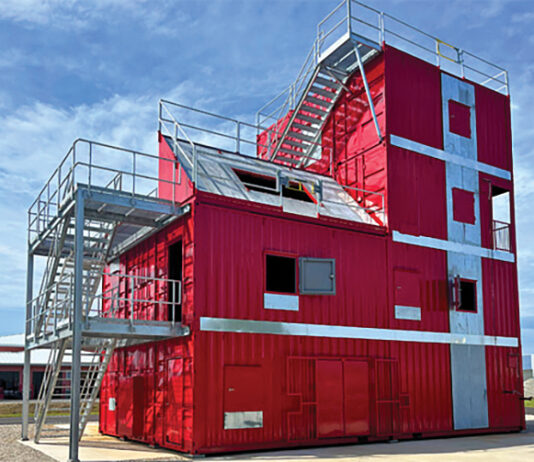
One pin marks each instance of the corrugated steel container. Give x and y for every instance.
(391, 375)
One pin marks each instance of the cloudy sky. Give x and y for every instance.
(72, 68)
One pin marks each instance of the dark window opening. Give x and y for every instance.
(37, 381)
(174, 308)
(467, 296)
(9, 385)
(267, 185)
(280, 274)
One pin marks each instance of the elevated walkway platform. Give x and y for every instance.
(100, 201)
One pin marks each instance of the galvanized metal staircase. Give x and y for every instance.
(301, 135)
(56, 386)
(55, 307)
(56, 293)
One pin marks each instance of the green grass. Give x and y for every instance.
(529, 403)
(54, 413)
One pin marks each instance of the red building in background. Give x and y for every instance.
(354, 281)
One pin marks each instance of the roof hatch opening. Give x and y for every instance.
(267, 184)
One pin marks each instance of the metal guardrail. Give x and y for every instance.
(121, 300)
(96, 164)
(501, 236)
(228, 134)
(370, 25)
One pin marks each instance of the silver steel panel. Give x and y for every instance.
(244, 419)
(281, 302)
(411, 313)
(248, 326)
(469, 390)
(429, 151)
(468, 267)
(440, 244)
(468, 363)
(462, 92)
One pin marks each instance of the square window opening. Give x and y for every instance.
(267, 184)
(280, 274)
(467, 296)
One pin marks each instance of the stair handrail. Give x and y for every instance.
(383, 31)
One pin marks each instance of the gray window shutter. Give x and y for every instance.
(317, 276)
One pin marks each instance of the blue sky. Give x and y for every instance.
(96, 70)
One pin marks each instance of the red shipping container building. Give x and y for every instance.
(351, 279)
(309, 325)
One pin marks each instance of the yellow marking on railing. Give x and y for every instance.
(438, 51)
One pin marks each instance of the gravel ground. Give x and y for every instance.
(11, 450)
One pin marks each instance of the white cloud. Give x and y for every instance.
(75, 14)
(35, 138)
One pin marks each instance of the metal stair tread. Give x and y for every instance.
(313, 110)
(318, 101)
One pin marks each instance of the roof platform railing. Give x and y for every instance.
(208, 139)
(353, 20)
(120, 184)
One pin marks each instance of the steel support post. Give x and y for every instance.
(368, 92)
(76, 329)
(27, 365)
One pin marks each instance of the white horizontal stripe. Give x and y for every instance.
(247, 326)
(449, 246)
(414, 146)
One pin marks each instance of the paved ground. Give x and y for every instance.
(488, 448)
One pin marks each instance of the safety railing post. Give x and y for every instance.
(382, 29)
(132, 285)
(238, 135)
(133, 174)
(90, 165)
(174, 166)
(173, 303)
(349, 13)
(195, 166)
(159, 116)
(73, 185)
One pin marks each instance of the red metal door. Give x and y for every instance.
(125, 407)
(174, 401)
(512, 392)
(108, 408)
(329, 386)
(356, 392)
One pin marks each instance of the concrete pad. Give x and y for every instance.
(483, 448)
(95, 447)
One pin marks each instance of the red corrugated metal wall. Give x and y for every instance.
(494, 132)
(413, 98)
(152, 384)
(172, 172)
(351, 150)
(416, 401)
